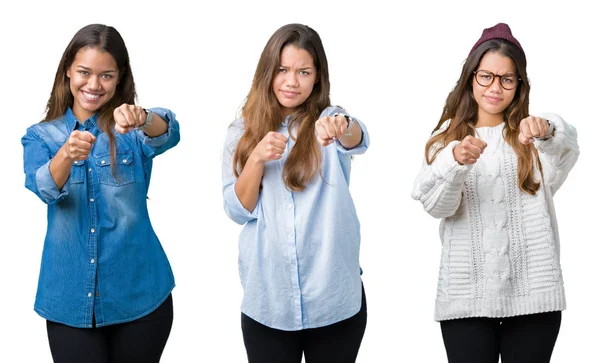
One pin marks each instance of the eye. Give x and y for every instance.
(282, 70)
(83, 73)
(485, 76)
(107, 76)
(509, 80)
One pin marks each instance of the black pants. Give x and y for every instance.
(141, 340)
(334, 343)
(519, 339)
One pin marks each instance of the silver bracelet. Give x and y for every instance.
(148, 121)
(350, 120)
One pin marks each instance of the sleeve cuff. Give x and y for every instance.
(172, 128)
(565, 135)
(446, 167)
(234, 208)
(47, 187)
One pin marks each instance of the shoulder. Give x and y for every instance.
(54, 129)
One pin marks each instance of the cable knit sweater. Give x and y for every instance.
(500, 246)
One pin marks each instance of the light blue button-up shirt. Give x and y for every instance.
(101, 256)
(298, 251)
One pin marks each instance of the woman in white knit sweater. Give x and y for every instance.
(490, 173)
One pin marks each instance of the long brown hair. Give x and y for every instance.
(461, 109)
(263, 113)
(107, 39)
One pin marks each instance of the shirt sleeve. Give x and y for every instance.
(558, 154)
(439, 186)
(153, 146)
(231, 203)
(364, 142)
(36, 162)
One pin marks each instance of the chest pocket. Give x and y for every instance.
(124, 169)
(77, 172)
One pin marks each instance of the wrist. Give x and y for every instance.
(147, 122)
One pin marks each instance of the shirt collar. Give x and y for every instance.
(72, 121)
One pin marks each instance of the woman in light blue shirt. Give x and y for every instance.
(286, 173)
(105, 282)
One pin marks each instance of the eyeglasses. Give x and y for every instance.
(486, 78)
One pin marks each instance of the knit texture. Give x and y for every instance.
(498, 31)
(500, 254)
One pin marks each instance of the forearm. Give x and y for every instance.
(157, 127)
(351, 141)
(247, 186)
(60, 167)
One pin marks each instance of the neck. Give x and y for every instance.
(485, 119)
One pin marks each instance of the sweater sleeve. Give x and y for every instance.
(439, 186)
(558, 154)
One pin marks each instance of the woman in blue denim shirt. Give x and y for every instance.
(105, 282)
(286, 171)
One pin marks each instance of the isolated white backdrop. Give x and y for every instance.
(391, 65)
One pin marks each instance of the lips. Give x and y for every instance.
(289, 94)
(491, 99)
(91, 97)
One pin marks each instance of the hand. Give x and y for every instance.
(79, 144)
(469, 150)
(531, 128)
(330, 128)
(271, 147)
(128, 117)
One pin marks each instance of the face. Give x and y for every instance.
(295, 79)
(493, 99)
(93, 79)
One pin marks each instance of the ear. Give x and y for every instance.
(69, 73)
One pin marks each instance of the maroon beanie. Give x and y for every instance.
(498, 31)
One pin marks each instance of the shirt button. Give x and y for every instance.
(89, 294)
(90, 170)
(92, 200)
(92, 230)
(103, 162)
(290, 206)
(124, 161)
(75, 162)
(92, 261)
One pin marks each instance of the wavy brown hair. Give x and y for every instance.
(263, 113)
(461, 109)
(107, 39)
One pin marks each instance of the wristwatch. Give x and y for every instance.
(350, 120)
(550, 131)
(148, 121)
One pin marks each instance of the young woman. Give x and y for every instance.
(105, 282)
(286, 170)
(491, 171)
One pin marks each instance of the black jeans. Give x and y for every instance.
(525, 338)
(334, 343)
(142, 340)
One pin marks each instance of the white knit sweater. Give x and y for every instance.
(500, 246)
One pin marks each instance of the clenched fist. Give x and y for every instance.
(271, 147)
(79, 144)
(469, 150)
(531, 128)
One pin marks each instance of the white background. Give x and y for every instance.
(391, 66)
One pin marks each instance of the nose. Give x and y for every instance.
(93, 83)
(292, 80)
(496, 84)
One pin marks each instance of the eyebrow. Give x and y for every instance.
(89, 69)
(301, 69)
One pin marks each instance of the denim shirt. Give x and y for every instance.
(298, 251)
(101, 257)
